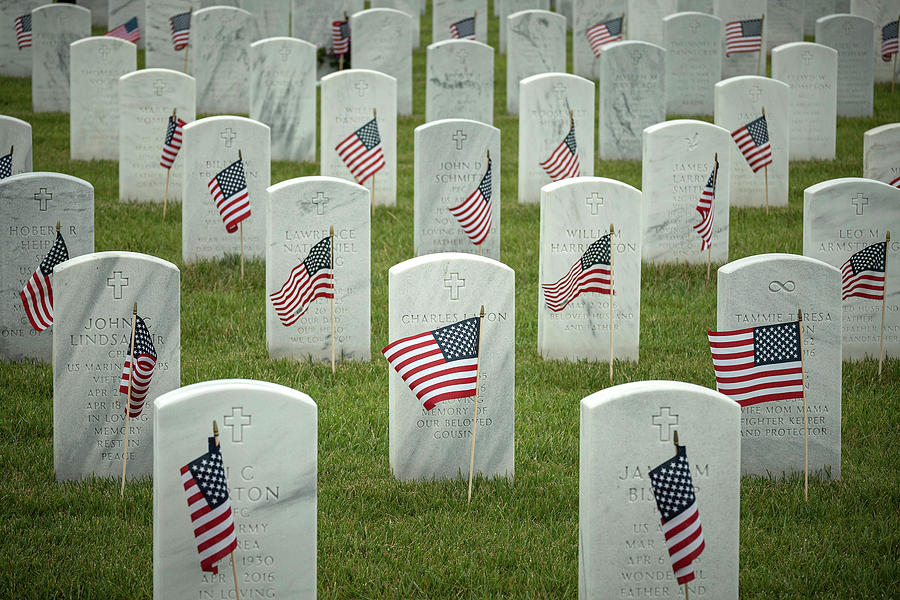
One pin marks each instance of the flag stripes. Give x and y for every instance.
(310, 280)
(128, 31)
(340, 37)
(564, 161)
(604, 33)
(590, 273)
(889, 41)
(180, 26)
(743, 36)
(142, 371)
(230, 193)
(862, 276)
(705, 208)
(463, 29)
(23, 31)
(172, 143)
(361, 152)
(753, 141)
(37, 296)
(475, 212)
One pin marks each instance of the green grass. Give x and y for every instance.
(381, 538)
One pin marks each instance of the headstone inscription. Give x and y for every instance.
(211, 145)
(840, 218)
(273, 17)
(283, 95)
(54, 27)
(460, 81)
(94, 295)
(430, 292)
(678, 165)
(881, 154)
(15, 136)
(850, 35)
(381, 41)
(220, 43)
(632, 96)
(146, 101)
(120, 12)
(311, 19)
(881, 12)
(811, 71)
(575, 214)
(351, 99)
(693, 62)
(451, 172)
(767, 289)
(588, 14)
(555, 108)
(814, 10)
(96, 65)
(510, 7)
(445, 13)
(740, 101)
(272, 502)
(411, 8)
(31, 204)
(16, 40)
(784, 19)
(626, 431)
(645, 19)
(736, 12)
(537, 44)
(161, 52)
(301, 211)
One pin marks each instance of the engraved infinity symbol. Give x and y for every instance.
(777, 286)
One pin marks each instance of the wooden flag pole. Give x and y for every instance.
(887, 242)
(675, 441)
(611, 294)
(712, 209)
(241, 225)
(168, 172)
(128, 404)
(766, 170)
(331, 236)
(374, 116)
(188, 47)
(237, 591)
(762, 48)
(475, 410)
(803, 391)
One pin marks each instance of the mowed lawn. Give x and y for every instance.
(380, 538)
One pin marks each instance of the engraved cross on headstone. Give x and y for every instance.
(453, 283)
(665, 419)
(636, 56)
(361, 87)
(160, 86)
(860, 202)
(695, 25)
(462, 55)
(806, 57)
(285, 52)
(595, 201)
(228, 135)
(117, 282)
(320, 200)
(104, 51)
(42, 197)
(755, 93)
(459, 137)
(237, 420)
(560, 90)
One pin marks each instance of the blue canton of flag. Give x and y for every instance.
(5, 166)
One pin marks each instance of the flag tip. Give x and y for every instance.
(134, 309)
(888, 236)
(215, 429)
(57, 227)
(482, 311)
(675, 437)
(331, 231)
(799, 314)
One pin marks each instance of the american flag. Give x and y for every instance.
(206, 488)
(37, 296)
(889, 40)
(361, 152)
(172, 143)
(128, 31)
(564, 161)
(229, 191)
(604, 33)
(438, 365)
(673, 489)
(23, 31)
(743, 36)
(863, 273)
(895, 182)
(760, 364)
(474, 213)
(590, 273)
(705, 208)
(310, 280)
(753, 140)
(5, 166)
(142, 373)
(464, 29)
(180, 25)
(340, 37)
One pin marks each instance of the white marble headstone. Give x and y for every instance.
(574, 214)
(767, 289)
(273, 502)
(146, 101)
(311, 19)
(31, 204)
(850, 35)
(99, 11)
(881, 154)
(450, 163)
(349, 98)
(161, 51)
(300, 213)
(445, 13)
(739, 101)
(15, 62)
(632, 96)
(704, 6)
(840, 218)
(381, 41)
(410, 7)
(211, 145)
(434, 291)
(510, 7)
(881, 12)
(459, 83)
(15, 135)
(120, 12)
(625, 432)
(784, 20)
(679, 157)
(546, 104)
(693, 62)
(811, 71)
(283, 95)
(94, 71)
(273, 17)
(54, 27)
(742, 63)
(537, 44)
(586, 14)
(644, 19)
(814, 10)
(220, 44)
(93, 298)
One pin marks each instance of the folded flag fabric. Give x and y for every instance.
(862, 276)
(604, 33)
(706, 210)
(128, 31)
(362, 153)
(230, 193)
(474, 213)
(310, 280)
(172, 143)
(590, 273)
(139, 368)
(753, 141)
(37, 296)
